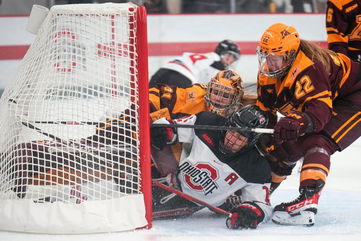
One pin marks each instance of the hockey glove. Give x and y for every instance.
(161, 136)
(247, 215)
(292, 126)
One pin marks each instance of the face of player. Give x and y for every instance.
(228, 59)
(221, 96)
(275, 62)
(234, 141)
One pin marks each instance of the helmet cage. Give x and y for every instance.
(224, 93)
(248, 117)
(264, 58)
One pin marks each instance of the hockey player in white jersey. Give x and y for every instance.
(216, 165)
(192, 68)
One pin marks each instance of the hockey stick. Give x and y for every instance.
(58, 139)
(71, 122)
(217, 128)
(249, 86)
(81, 146)
(154, 125)
(106, 122)
(191, 198)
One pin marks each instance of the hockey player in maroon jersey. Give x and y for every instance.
(217, 164)
(192, 68)
(319, 93)
(223, 95)
(343, 27)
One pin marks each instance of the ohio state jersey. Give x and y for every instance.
(211, 175)
(196, 67)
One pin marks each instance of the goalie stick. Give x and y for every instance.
(191, 198)
(71, 122)
(58, 139)
(102, 162)
(83, 147)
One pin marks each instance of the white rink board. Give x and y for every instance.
(187, 28)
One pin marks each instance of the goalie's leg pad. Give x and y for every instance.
(169, 205)
(305, 218)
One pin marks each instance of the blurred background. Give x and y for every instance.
(178, 26)
(185, 6)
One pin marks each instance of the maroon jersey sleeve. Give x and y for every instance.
(337, 27)
(343, 25)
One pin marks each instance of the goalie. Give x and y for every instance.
(223, 95)
(222, 168)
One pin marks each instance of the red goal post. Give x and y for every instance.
(75, 148)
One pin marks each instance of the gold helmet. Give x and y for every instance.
(224, 93)
(277, 50)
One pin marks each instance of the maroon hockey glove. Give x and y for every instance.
(161, 136)
(291, 127)
(247, 215)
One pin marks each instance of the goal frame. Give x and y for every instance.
(144, 118)
(138, 78)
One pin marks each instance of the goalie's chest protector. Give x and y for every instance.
(205, 177)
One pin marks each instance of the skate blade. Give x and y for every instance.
(304, 218)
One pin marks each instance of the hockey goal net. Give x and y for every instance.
(74, 144)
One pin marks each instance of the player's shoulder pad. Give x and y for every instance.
(203, 86)
(209, 118)
(340, 3)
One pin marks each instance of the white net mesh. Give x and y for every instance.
(69, 123)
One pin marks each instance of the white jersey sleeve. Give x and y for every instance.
(193, 65)
(185, 135)
(258, 193)
(206, 74)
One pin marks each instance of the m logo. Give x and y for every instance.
(265, 39)
(284, 33)
(190, 96)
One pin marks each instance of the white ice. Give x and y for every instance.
(338, 218)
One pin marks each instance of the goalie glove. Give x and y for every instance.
(161, 136)
(247, 215)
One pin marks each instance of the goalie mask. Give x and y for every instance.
(224, 93)
(277, 50)
(239, 140)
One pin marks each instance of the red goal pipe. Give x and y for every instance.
(143, 102)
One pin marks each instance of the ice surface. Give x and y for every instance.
(339, 216)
